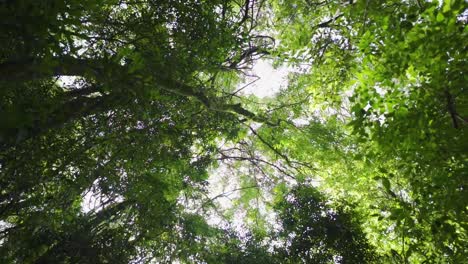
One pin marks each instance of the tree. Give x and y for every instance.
(114, 113)
(385, 91)
(316, 233)
(136, 128)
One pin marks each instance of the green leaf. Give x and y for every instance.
(440, 17)
(386, 183)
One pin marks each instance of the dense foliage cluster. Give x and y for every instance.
(120, 120)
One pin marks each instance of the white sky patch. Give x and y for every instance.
(224, 186)
(66, 81)
(270, 80)
(262, 81)
(380, 90)
(94, 200)
(301, 121)
(367, 107)
(91, 201)
(3, 227)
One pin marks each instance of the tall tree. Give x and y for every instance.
(384, 107)
(149, 95)
(114, 113)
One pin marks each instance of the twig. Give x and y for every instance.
(451, 108)
(270, 146)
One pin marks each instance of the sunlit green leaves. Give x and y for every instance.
(361, 158)
(398, 88)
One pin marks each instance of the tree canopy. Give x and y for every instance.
(126, 135)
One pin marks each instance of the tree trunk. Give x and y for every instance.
(69, 111)
(31, 69)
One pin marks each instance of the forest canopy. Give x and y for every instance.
(126, 134)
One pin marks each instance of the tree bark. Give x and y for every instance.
(30, 69)
(69, 111)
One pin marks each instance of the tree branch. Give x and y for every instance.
(270, 146)
(451, 108)
(210, 103)
(328, 22)
(30, 69)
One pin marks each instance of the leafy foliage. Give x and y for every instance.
(316, 233)
(116, 117)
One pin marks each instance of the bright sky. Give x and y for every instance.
(270, 80)
(267, 83)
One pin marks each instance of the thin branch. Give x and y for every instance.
(224, 194)
(245, 86)
(253, 160)
(270, 146)
(327, 23)
(451, 108)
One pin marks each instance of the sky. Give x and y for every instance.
(268, 79)
(263, 81)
